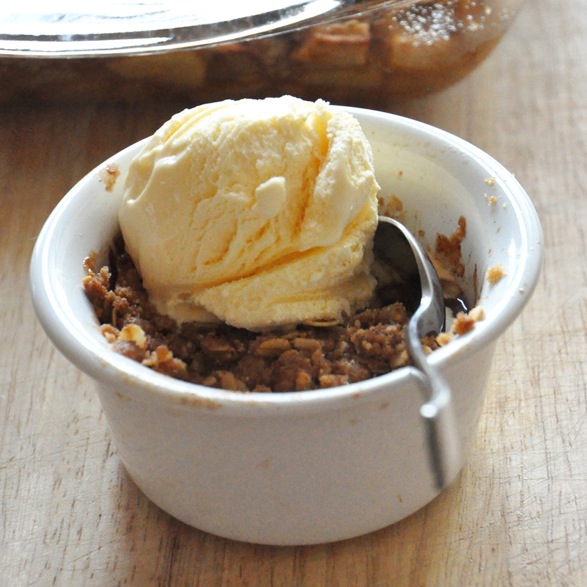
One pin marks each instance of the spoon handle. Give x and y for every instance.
(437, 412)
(441, 430)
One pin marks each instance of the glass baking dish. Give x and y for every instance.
(359, 53)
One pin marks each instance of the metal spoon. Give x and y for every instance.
(398, 249)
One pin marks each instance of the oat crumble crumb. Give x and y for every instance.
(477, 313)
(462, 324)
(133, 333)
(444, 338)
(465, 322)
(109, 332)
(108, 175)
(495, 274)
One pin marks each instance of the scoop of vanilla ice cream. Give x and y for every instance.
(257, 213)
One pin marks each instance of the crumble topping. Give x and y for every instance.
(367, 344)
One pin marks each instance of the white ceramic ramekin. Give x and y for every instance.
(316, 466)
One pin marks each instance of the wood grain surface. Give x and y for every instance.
(517, 516)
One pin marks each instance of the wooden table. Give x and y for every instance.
(69, 514)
